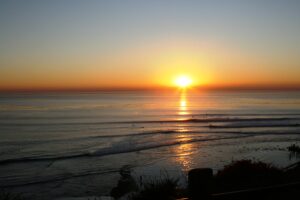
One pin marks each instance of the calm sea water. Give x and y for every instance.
(74, 144)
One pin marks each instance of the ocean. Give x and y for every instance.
(75, 143)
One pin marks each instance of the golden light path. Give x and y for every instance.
(183, 106)
(183, 151)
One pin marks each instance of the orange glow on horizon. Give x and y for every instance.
(205, 66)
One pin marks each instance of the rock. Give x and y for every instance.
(126, 184)
(199, 183)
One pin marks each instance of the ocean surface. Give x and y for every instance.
(74, 144)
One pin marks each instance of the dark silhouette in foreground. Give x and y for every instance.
(9, 196)
(246, 179)
(166, 189)
(126, 183)
(241, 179)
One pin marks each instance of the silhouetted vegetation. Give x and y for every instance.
(238, 175)
(294, 148)
(10, 196)
(243, 174)
(165, 188)
(294, 151)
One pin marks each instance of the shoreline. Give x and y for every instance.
(149, 171)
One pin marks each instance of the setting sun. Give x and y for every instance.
(183, 81)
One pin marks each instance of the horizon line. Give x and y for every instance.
(164, 88)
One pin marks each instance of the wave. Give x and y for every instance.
(211, 120)
(131, 148)
(113, 150)
(237, 135)
(39, 159)
(210, 129)
(253, 126)
(134, 147)
(92, 137)
(189, 120)
(59, 177)
(13, 117)
(140, 133)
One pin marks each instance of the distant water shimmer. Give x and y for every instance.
(74, 144)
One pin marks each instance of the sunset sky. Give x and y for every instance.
(60, 44)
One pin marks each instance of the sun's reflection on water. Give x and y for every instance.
(184, 151)
(183, 106)
(183, 155)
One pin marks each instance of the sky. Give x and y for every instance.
(76, 44)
